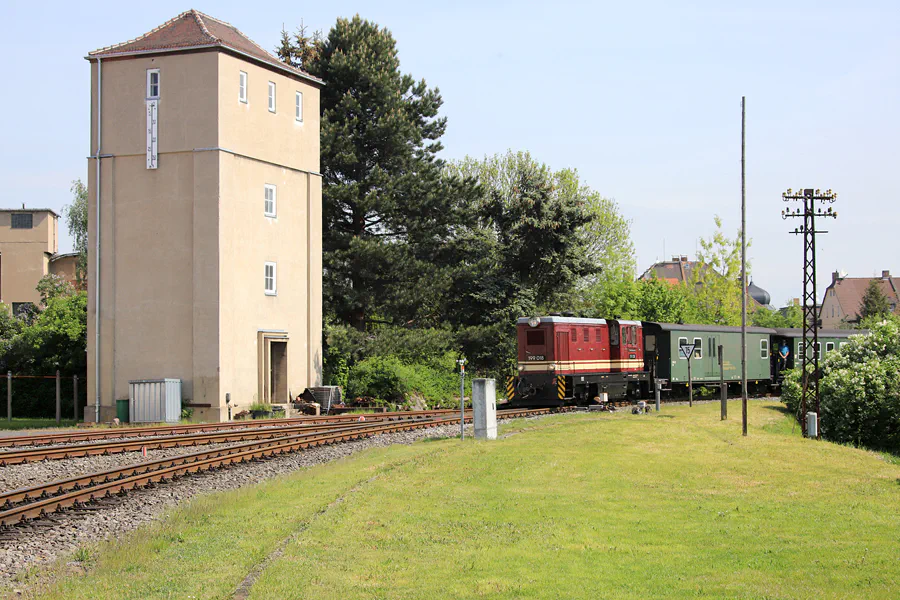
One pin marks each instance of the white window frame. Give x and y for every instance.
(819, 348)
(680, 356)
(764, 349)
(698, 348)
(243, 80)
(271, 96)
(274, 290)
(298, 107)
(270, 188)
(829, 347)
(150, 94)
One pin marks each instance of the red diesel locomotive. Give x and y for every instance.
(566, 360)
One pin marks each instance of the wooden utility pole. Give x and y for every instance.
(743, 266)
(723, 388)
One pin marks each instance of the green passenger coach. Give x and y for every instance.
(662, 341)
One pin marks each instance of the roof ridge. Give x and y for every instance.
(158, 28)
(247, 37)
(198, 17)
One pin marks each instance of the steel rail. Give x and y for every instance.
(130, 478)
(20, 456)
(158, 430)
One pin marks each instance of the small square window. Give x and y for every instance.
(298, 109)
(271, 97)
(270, 276)
(22, 220)
(242, 88)
(152, 83)
(829, 346)
(270, 204)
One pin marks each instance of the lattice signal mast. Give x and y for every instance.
(809, 212)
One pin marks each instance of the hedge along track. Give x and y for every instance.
(20, 506)
(163, 430)
(19, 456)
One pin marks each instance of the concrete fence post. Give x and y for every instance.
(9, 395)
(484, 408)
(58, 399)
(75, 396)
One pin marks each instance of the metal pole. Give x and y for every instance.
(723, 388)
(657, 385)
(743, 268)
(75, 395)
(9, 395)
(58, 399)
(462, 398)
(690, 382)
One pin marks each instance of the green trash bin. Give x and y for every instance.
(122, 410)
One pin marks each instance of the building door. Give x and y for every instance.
(278, 373)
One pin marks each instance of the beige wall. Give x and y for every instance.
(65, 267)
(24, 256)
(830, 304)
(183, 247)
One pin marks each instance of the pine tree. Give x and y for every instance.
(874, 303)
(388, 209)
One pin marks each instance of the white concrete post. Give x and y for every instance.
(484, 407)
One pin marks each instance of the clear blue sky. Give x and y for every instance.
(642, 98)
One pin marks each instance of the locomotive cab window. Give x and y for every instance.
(650, 343)
(534, 338)
(614, 335)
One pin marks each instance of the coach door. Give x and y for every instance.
(616, 344)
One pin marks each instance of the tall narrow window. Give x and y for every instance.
(698, 348)
(271, 289)
(270, 201)
(152, 83)
(764, 349)
(298, 110)
(242, 88)
(271, 97)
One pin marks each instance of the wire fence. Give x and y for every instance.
(43, 396)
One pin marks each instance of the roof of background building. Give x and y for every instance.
(194, 30)
(850, 292)
(29, 210)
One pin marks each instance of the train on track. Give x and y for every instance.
(565, 360)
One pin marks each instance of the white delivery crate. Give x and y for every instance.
(154, 400)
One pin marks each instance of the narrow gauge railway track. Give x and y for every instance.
(25, 504)
(88, 435)
(25, 455)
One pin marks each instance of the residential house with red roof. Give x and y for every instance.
(842, 302)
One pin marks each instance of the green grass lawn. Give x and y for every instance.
(17, 424)
(669, 505)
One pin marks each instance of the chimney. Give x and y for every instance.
(885, 274)
(684, 258)
(835, 276)
(675, 258)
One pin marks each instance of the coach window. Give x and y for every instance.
(682, 341)
(829, 346)
(534, 338)
(698, 348)
(764, 348)
(819, 348)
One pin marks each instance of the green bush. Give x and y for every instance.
(389, 380)
(861, 390)
(791, 389)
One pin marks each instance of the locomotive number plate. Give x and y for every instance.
(535, 357)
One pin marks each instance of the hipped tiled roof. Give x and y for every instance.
(850, 292)
(192, 30)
